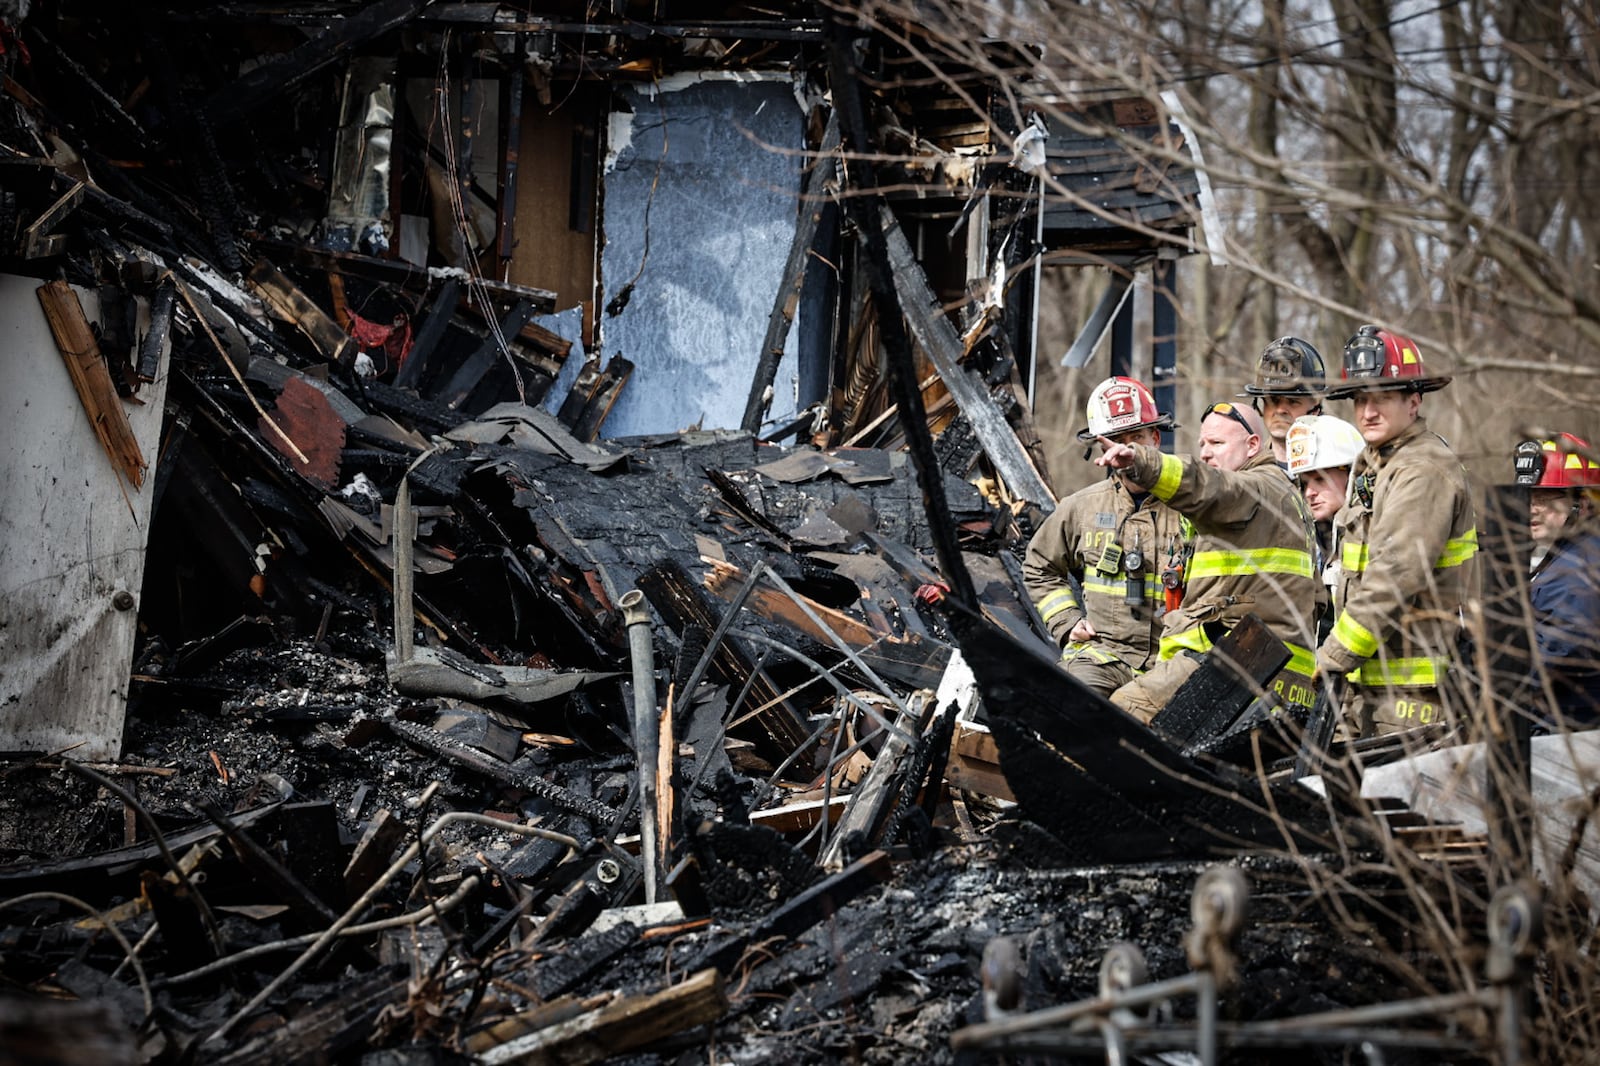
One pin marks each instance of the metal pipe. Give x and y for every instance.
(838, 641)
(646, 732)
(837, 685)
(420, 916)
(1380, 1012)
(1206, 1018)
(980, 1035)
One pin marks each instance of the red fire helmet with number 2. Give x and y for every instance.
(1122, 405)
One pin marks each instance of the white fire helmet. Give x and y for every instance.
(1321, 442)
(1120, 405)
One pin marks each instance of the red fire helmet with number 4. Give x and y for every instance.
(1121, 405)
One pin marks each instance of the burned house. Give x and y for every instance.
(509, 548)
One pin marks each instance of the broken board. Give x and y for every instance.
(72, 543)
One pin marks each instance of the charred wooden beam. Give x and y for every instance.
(265, 83)
(592, 397)
(856, 137)
(294, 307)
(107, 104)
(801, 913)
(373, 852)
(1103, 783)
(467, 376)
(341, 1020)
(506, 201)
(399, 272)
(1229, 679)
(875, 798)
(626, 1024)
(470, 758)
(119, 327)
(37, 240)
(427, 339)
(937, 336)
(150, 347)
(812, 205)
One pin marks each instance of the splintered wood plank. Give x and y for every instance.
(81, 353)
(624, 1025)
(800, 815)
(724, 582)
(290, 305)
(72, 539)
(975, 763)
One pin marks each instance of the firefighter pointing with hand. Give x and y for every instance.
(1407, 541)
(1098, 567)
(1252, 553)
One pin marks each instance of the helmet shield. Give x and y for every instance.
(1322, 442)
(1363, 356)
(1562, 463)
(1289, 366)
(1377, 359)
(1528, 462)
(1122, 405)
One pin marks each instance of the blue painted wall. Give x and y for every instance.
(720, 223)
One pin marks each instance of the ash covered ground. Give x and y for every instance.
(884, 978)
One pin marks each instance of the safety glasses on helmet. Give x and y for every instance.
(1228, 410)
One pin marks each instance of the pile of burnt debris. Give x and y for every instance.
(538, 749)
(454, 732)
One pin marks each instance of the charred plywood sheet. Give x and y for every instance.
(72, 544)
(701, 200)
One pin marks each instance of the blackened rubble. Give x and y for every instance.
(374, 789)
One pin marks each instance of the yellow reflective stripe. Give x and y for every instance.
(1418, 673)
(1055, 602)
(1458, 550)
(1089, 651)
(1189, 640)
(1171, 474)
(1355, 636)
(1290, 561)
(1119, 588)
(1302, 661)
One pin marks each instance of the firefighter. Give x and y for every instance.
(1252, 554)
(1407, 542)
(1290, 381)
(1115, 543)
(1321, 450)
(1565, 586)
